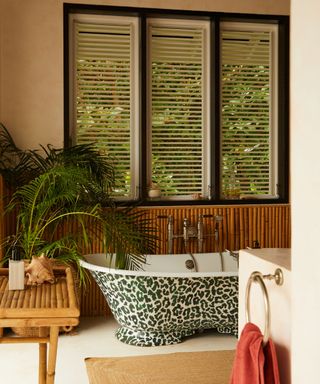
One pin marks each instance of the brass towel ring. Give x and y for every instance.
(258, 277)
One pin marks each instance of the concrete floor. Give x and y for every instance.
(93, 338)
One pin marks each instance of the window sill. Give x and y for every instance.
(158, 202)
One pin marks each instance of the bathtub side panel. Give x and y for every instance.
(162, 310)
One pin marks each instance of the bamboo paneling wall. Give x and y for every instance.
(92, 301)
(1, 215)
(240, 227)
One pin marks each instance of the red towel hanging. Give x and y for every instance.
(254, 363)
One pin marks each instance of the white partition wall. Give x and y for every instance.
(267, 261)
(305, 188)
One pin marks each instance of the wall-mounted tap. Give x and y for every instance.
(200, 233)
(189, 231)
(185, 229)
(170, 234)
(217, 219)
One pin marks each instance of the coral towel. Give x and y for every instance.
(254, 363)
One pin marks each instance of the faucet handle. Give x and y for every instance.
(170, 217)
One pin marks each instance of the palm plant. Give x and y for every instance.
(70, 187)
(19, 166)
(44, 206)
(128, 236)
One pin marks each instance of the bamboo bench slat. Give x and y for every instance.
(47, 305)
(44, 300)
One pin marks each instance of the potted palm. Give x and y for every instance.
(69, 187)
(43, 207)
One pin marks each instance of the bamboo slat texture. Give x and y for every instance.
(241, 226)
(1, 215)
(46, 306)
(45, 300)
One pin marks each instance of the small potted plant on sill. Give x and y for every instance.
(154, 191)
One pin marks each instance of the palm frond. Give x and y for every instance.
(47, 202)
(66, 251)
(83, 156)
(68, 187)
(129, 235)
(15, 164)
(20, 166)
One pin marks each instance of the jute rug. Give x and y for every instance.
(212, 367)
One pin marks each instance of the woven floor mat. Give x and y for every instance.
(212, 367)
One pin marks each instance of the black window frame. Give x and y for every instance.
(215, 18)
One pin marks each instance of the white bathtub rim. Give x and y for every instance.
(124, 272)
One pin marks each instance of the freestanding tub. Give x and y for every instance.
(167, 301)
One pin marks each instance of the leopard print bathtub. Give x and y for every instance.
(155, 310)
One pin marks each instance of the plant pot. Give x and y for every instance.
(154, 193)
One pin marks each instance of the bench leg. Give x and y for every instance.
(42, 358)
(42, 363)
(54, 333)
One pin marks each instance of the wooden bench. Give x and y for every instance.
(47, 306)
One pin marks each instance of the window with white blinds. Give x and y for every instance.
(178, 106)
(105, 92)
(196, 105)
(248, 109)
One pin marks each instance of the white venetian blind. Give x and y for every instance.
(247, 114)
(104, 57)
(177, 103)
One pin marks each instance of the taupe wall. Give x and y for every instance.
(31, 66)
